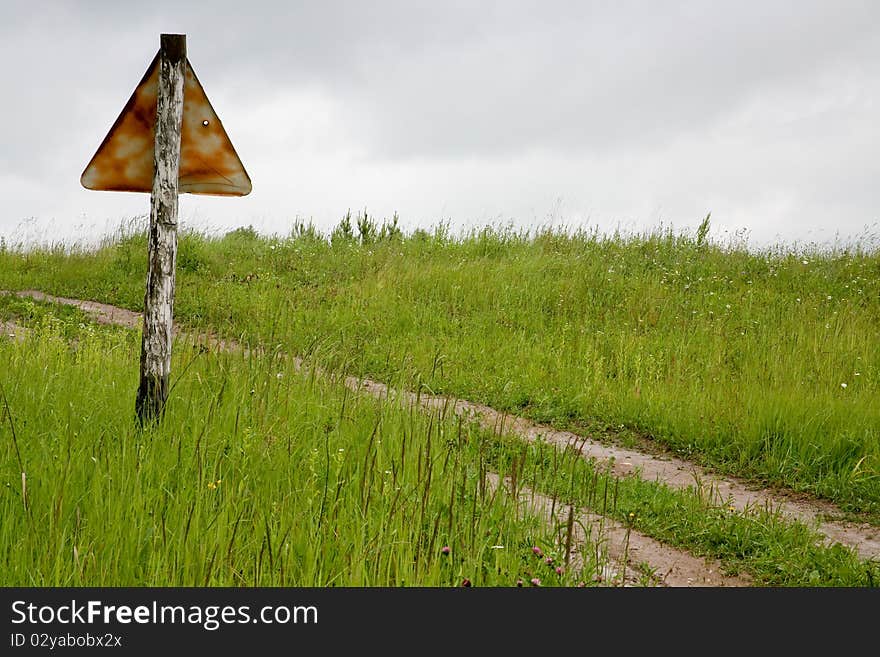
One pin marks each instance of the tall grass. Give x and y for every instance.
(764, 364)
(250, 446)
(258, 476)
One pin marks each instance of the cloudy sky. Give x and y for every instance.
(627, 115)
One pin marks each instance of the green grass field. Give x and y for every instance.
(258, 476)
(763, 365)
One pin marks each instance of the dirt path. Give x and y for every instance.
(675, 473)
(623, 550)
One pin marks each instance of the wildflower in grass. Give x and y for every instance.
(519, 583)
(445, 549)
(843, 385)
(581, 585)
(538, 552)
(466, 582)
(535, 581)
(549, 561)
(559, 570)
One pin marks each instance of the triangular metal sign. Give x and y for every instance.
(208, 162)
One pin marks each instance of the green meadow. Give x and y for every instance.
(762, 364)
(258, 476)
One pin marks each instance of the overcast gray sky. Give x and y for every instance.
(599, 114)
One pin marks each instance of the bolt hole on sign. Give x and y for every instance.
(167, 140)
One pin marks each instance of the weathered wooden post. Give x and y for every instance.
(162, 251)
(167, 140)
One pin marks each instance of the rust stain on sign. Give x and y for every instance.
(208, 162)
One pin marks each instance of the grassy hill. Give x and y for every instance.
(760, 364)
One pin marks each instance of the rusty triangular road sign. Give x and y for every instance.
(208, 162)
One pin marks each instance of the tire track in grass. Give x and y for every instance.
(676, 473)
(864, 538)
(623, 549)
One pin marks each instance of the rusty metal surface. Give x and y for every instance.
(208, 161)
